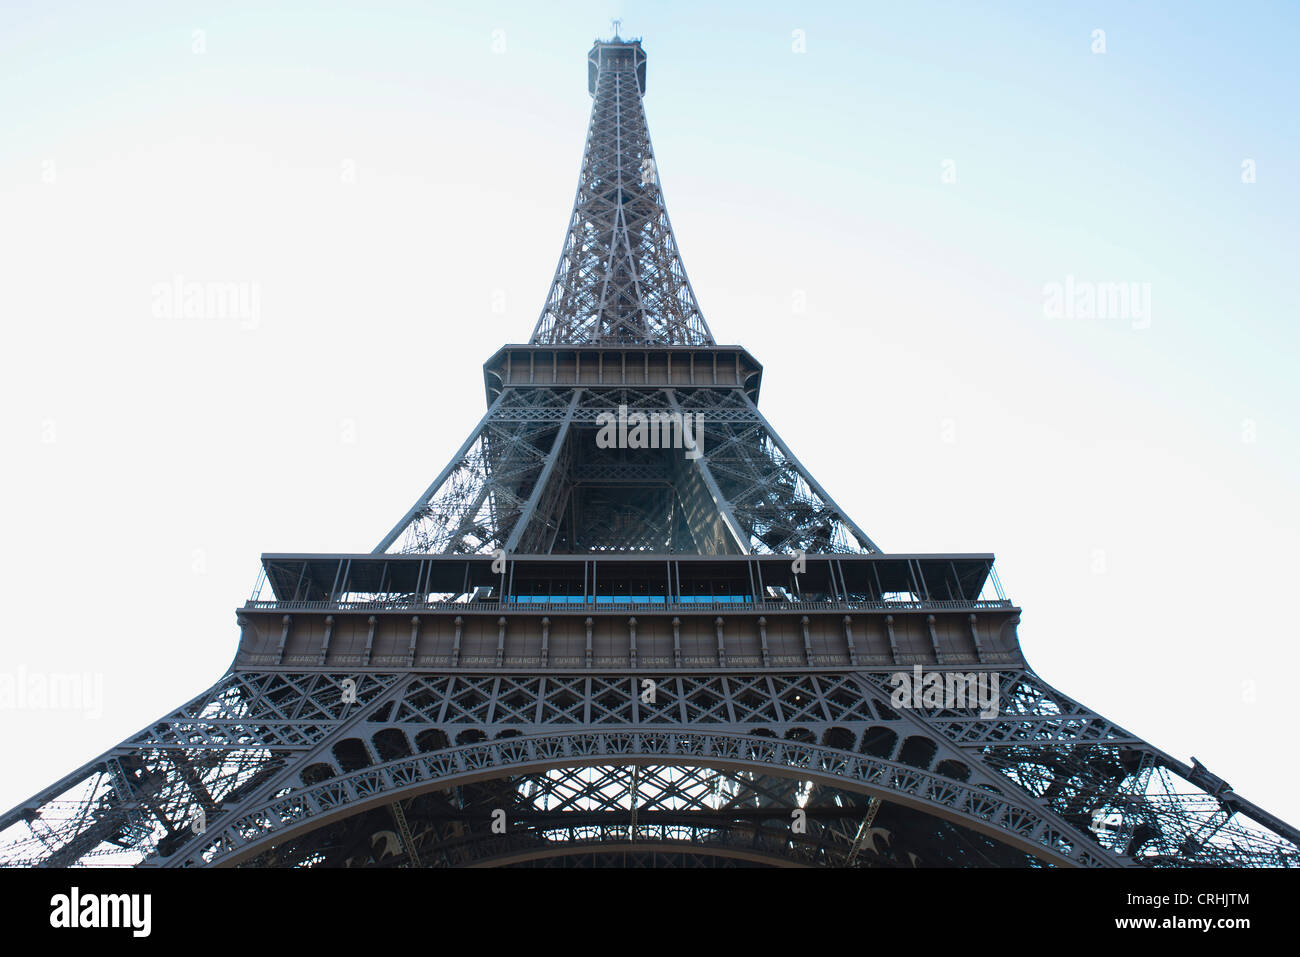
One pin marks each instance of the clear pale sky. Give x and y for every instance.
(394, 179)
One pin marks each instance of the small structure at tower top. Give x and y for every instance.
(617, 54)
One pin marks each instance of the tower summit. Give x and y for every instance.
(625, 624)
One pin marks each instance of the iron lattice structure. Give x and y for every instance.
(572, 652)
(620, 277)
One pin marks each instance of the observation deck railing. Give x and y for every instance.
(625, 604)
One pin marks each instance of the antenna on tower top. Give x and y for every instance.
(617, 24)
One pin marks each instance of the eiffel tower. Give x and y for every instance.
(625, 625)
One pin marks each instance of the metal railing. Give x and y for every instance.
(779, 607)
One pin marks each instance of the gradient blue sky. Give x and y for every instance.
(1137, 485)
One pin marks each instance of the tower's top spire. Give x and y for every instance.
(616, 24)
(616, 54)
(620, 278)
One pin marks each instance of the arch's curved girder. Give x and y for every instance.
(994, 814)
(563, 812)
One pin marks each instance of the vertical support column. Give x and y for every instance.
(979, 645)
(370, 641)
(415, 636)
(893, 643)
(631, 628)
(934, 639)
(501, 640)
(546, 641)
(722, 648)
(588, 624)
(455, 646)
(836, 565)
(762, 638)
(677, 642)
(244, 624)
(338, 573)
(325, 646)
(285, 624)
(920, 586)
(848, 637)
(807, 642)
